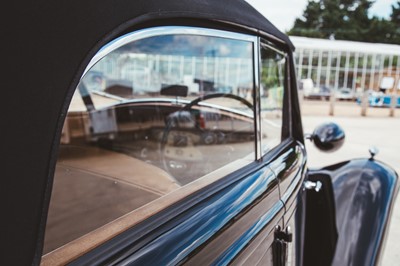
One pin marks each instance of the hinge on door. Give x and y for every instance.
(286, 235)
(280, 246)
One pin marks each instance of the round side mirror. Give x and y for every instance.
(328, 137)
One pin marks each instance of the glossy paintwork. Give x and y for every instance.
(248, 236)
(289, 168)
(200, 223)
(364, 196)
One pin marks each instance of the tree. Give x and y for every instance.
(358, 22)
(395, 22)
(347, 20)
(380, 31)
(395, 16)
(310, 23)
(317, 21)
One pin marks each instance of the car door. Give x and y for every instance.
(197, 175)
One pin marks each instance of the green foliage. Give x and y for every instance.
(347, 20)
(269, 77)
(395, 22)
(395, 16)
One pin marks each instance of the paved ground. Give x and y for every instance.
(376, 129)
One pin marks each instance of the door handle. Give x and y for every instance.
(310, 185)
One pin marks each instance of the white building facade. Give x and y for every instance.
(347, 64)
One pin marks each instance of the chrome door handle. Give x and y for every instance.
(316, 186)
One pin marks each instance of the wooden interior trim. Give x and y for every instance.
(90, 241)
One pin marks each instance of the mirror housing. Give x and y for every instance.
(328, 137)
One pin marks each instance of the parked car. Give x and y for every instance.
(379, 99)
(166, 174)
(387, 101)
(322, 92)
(345, 94)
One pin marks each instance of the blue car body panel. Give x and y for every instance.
(364, 192)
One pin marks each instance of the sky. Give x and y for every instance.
(282, 13)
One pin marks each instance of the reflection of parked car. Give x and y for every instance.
(167, 175)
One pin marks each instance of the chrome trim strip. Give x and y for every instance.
(265, 35)
(265, 44)
(257, 97)
(164, 30)
(272, 37)
(288, 90)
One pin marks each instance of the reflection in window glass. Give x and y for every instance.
(148, 118)
(272, 91)
(203, 64)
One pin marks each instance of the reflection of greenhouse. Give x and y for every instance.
(149, 72)
(346, 64)
(192, 66)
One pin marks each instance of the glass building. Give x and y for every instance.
(347, 64)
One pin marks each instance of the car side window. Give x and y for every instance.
(153, 113)
(272, 76)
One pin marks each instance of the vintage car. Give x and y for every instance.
(169, 132)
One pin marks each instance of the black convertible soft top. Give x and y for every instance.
(46, 47)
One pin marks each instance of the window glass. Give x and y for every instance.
(150, 117)
(273, 69)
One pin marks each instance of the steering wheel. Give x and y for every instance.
(181, 158)
(217, 95)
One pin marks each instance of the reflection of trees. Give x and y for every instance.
(272, 78)
(272, 74)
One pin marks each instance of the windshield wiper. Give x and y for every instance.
(87, 99)
(108, 95)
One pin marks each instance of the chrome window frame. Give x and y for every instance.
(265, 43)
(257, 97)
(256, 41)
(164, 30)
